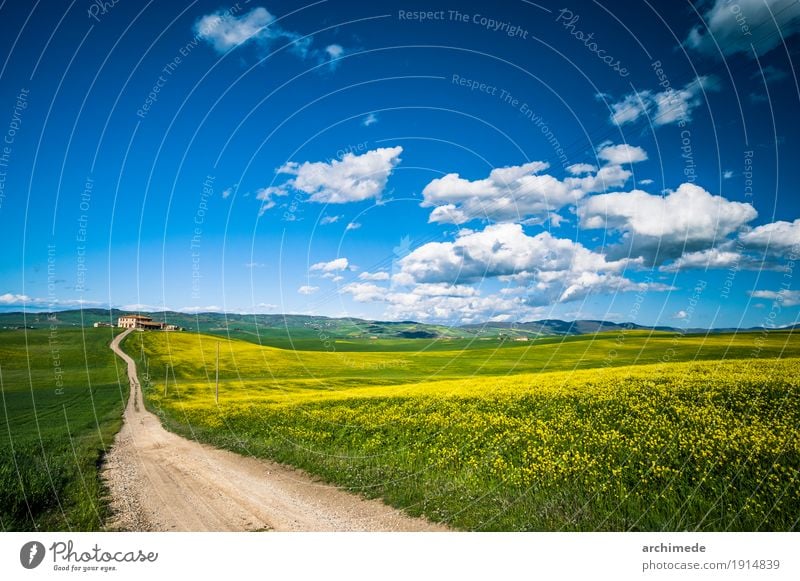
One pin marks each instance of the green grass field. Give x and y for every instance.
(62, 403)
(631, 431)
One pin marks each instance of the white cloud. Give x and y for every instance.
(224, 31)
(681, 315)
(777, 237)
(726, 21)
(440, 302)
(577, 169)
(364, 292)
(555, 270)
(334, 51)
(331, 54)
(329, 220)
(665, 107)
(254, 265)
(446, 281)
(374, 276)
(788, 298)
(556, 219)
(335, 265)
(515, 193)
(370, 119)
(461, 309)
(727, 174)
(646, 182)
(710, 258)
(663, 227)
(352, 226)
(226, 193)
(206, 309)
(353, 178)
(307, 290)
(622, 154)
(14, 299)
(444, 289)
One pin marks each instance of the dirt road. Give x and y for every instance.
(162, 482)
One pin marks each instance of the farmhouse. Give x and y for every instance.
(143, 322)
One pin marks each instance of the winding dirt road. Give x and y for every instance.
(162, 482)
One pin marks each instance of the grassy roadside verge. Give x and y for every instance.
(62, 400)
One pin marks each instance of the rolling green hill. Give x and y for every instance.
(317, 333)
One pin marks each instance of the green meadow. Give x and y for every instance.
(62, 400)
(616, 431)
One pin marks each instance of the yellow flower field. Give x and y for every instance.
(710, 445)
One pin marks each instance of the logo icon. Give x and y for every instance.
(31, 554)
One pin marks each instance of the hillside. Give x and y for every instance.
(311, 332)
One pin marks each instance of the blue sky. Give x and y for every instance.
(404, 160)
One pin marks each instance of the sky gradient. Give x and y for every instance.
(404, 160)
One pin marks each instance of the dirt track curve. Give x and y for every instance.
(162, 482)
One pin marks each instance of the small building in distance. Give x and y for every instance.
(102, 324)
(144, 322)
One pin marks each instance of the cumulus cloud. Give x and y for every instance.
(440, 302)
(364, 292)
(665, 107)
(788, 298)
(461, 309)
(553, 269)
(336, 265)
(710, 258)
(775, 237)
(14, 299)
(515, 193)
(760, 248)
(745, 26)
(353, 178)
(622, 154)
(577, 169)
(681, 315)
(374, 276)
(447, 281)
(307, 289)
(370, 119)
(659, 228)
(353, 226)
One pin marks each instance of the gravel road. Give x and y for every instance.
(160, 481)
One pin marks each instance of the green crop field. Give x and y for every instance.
(62, 403)
(615, 431)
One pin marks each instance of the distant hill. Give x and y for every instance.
(320, 328)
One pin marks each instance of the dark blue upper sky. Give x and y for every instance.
(413, 160)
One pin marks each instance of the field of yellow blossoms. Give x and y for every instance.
(711, 445)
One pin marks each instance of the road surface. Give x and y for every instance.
(160, 481)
